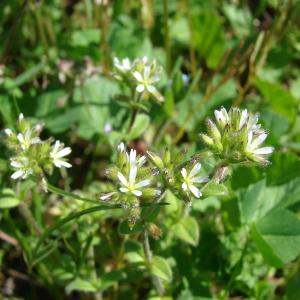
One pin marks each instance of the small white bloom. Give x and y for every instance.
(26, 139)
(8, 132)
(124, 65)
(134, 160)
(22, 167)
(253, 143)
(222, 117)
(130, 186)
(58, 153)
(190, 179)
(121, 147)
(21, 117)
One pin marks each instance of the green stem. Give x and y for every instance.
(27, 215)
(148, 254)
(91, 262)
(167, 37)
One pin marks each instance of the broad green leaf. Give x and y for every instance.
(139, 126)
(187, 229)
(8, 198)
(215, 189)
(82, 285)
(265, 249)
(134, 253)
(161, 268)
(279, 99)
(280, 229)
(109, 279)
(85, 37)
(208, 36)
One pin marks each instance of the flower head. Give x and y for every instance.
(58, 154)
(237, 136)
(22, 167)
(192, 178)
(124, 65)
(130, 186)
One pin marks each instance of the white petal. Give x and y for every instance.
(259, 140)
(17, 174)
(147, 71)
(132, 156)
(151, 89)
(137, 193)
(121, 147)
(141, 160)
(184, 172)
(143, 183)
(140, 88)
(264, 150)
(16, 164)
(138, 76)
(195, 169)
(200, 179)
(56, 146)
(132, 174)
(64, 152)
(64, 163)
(21, 117)
(20, 137)
(195, 191)
(124, 190)
(122, 179)
(244, 117)
(184, 186)
(8, 132)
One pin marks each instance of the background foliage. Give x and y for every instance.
(242, 241)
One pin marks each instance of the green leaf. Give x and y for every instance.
(134, 253)
(279, 99)
(140, 125)
(161, 268)
(85, 37)
(265, 249)
(110, 278)
(187, 229)
(281, 231)
(208, 36)
(215, 189)
(8, 199)
(82, 285)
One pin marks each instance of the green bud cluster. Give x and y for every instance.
(235, 136)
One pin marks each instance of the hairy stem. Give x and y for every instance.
(27, 215)
(148, 254)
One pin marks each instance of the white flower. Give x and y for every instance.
(26, 139)
(23, 168)
(130, 186)
(121, 147)
(222, 117)
(124, 65)
(190, 179)
(134, 160)
(21, 117)
(58, 153)
(253, 143)
(145, 80)
(8, 132)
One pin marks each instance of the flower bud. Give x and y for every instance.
(213, 129)
(206, 139)
(155, 231)
(155, 159)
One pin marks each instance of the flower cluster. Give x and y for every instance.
(236, 136)
(182, 177)
(142, 74)
(31, 155)
(133, 181)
